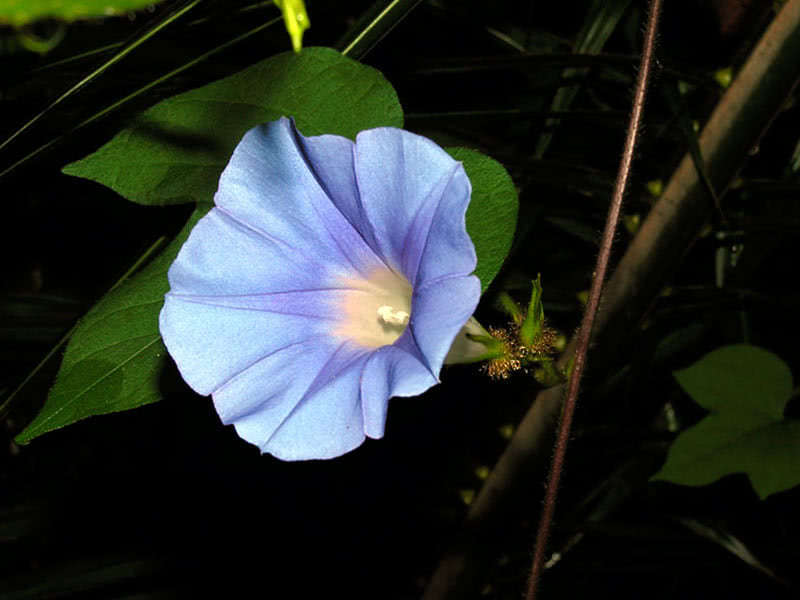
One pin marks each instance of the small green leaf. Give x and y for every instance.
(114, 358)
(533, 325)
(20, 12)
(746, 389)
(176, 150)
(492, 212)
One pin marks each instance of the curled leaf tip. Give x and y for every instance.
(296, 19)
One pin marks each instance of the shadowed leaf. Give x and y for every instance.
(746, 389)
(113, 360)
(177, 149)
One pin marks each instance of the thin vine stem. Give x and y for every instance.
(584, 333)
(383, 22)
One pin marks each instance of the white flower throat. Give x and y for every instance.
(375, 310)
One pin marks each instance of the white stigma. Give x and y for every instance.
(391, 316)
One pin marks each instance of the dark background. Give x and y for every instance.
(164, 501)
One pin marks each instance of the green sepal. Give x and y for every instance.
(474, 344)
(533, 325)
(511, 308)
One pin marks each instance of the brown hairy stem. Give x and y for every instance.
(734, 128)
(584, 334)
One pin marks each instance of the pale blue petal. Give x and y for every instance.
(211, 344)
(326, 418)
(440, 309)
(224, 256)
(269, 185)
(331, 158)
(390, 371)
(268, 385)
(448, 249)
(403, 179)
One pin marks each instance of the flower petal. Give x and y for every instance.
(403, 180)
(325, 419)
(269, 185)
(257, 389)
(441, 307)
(331, 158)
(448, 249)
(212, 343)
(390, 371)
(224, 256)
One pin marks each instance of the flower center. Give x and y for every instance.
(374, 310)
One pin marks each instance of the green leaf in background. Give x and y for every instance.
(492, 212)
(176, 150)
(113, 360)
(746, 389)
(600, 23)
(20, 12)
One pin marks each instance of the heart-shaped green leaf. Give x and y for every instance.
(746, 389)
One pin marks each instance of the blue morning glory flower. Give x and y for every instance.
(329, 277)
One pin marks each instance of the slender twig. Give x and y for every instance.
(585, 331)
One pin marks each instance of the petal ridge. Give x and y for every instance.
(222, 386)
(389, 372)
(436, 280)
(301, 151)
(269, 185)
(396, 172)
(449, 231)
(191, 300)
(434, 197)
(425, 361)
(316, 386)
(303, 147)
(258, 231)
